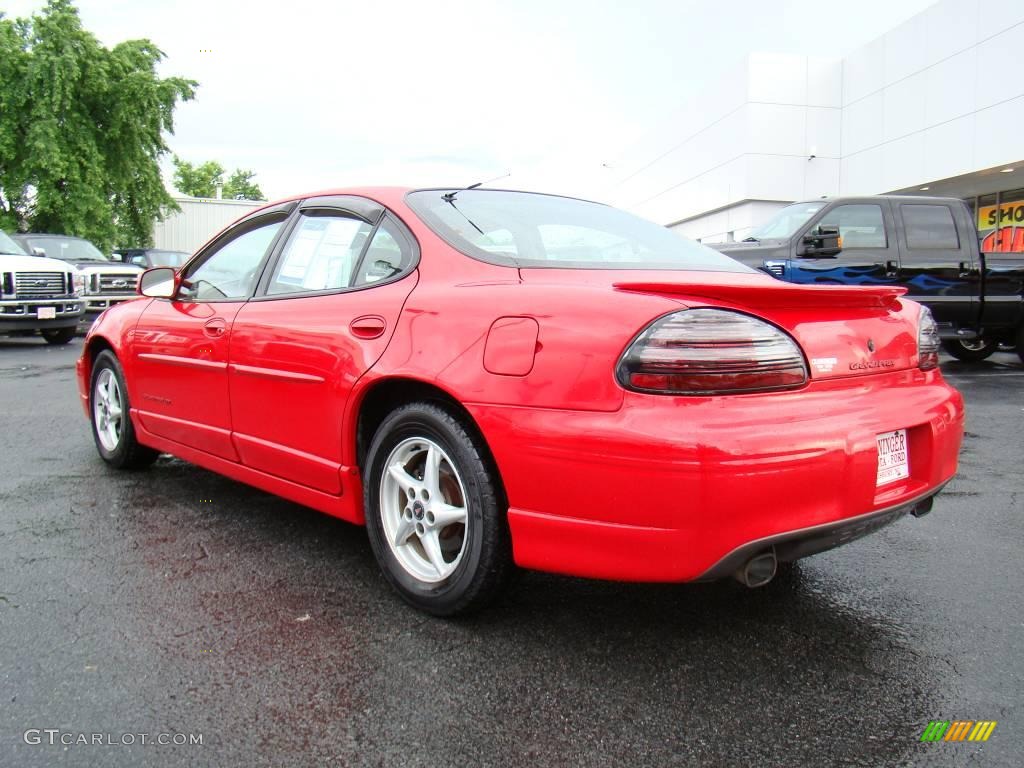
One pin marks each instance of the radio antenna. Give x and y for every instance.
(449, 197)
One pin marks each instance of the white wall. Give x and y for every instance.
(937, 97)
(198, 221)
(739, 220)
(746, 138)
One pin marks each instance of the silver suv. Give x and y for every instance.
(100, 281)
(37, 294)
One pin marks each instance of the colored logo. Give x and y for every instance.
(958, 730)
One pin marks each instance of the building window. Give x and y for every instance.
(1000, 220)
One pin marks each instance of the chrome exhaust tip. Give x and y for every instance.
(758, 570)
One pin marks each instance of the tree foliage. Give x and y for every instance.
(82, 130)
(242, 187)
(202, 180)
(197, 180)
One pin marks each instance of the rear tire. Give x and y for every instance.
(58, 335)
(435, 511)
(109, 412)
(970, 351)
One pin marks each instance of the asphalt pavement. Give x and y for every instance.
(176, 604)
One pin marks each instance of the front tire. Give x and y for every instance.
(112, 427)
(435, 511)
(58, 335)
(973, 351)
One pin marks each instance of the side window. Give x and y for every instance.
(230, 272)
(321, 254)
(140, 260)
(929, 226)
(390, 253)
(860, 226)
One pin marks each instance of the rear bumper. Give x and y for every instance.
(669, 489)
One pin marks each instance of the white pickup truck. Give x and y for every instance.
(101, 282)
(37, 294)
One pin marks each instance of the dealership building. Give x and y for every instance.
(934, 106)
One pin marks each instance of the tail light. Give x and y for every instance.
(927, 341)
(711, 351)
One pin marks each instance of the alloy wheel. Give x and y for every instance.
(107, 410)
(423, 509)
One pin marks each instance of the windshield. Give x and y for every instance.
(167, 258)
(8, 246)
(67, 248)
(532, 230)
(786, 222)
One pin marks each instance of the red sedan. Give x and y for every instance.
(487, 378)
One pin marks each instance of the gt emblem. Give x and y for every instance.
(871, 345)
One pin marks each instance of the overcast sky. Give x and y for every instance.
(323, 94)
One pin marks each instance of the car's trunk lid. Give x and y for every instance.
(843, 330)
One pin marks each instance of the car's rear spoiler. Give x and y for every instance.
(775, 295)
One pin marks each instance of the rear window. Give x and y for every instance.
(531, 230)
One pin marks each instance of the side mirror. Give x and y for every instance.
(159, 283)
(39, 252)
(823, 241)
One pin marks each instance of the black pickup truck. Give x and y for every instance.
(927, 244)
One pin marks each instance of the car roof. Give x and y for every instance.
(49, 235)
(390, 195)
(897, 198)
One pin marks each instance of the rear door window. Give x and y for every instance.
(321, 254)
(929, 227)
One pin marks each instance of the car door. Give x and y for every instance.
(180, 350)
(937, 266)
(868, 253)
(326, 309)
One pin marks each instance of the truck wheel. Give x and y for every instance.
(435, 512)
(112, 427)
(970, 351)
(58, 335)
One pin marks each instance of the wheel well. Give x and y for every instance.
(96, 345)
(389, 394)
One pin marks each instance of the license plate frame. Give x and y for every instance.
(893, 457)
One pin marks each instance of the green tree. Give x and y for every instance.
(197, 180)
(202, 180)
(82, 130)
(242, 187)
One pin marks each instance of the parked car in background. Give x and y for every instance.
(486, 378)
(101, 281)
(151, 257)
(37, 294)
(929, 245)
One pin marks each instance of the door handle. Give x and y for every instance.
(368, 326)
(891, 268)
(965, 269)
(215, 327)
